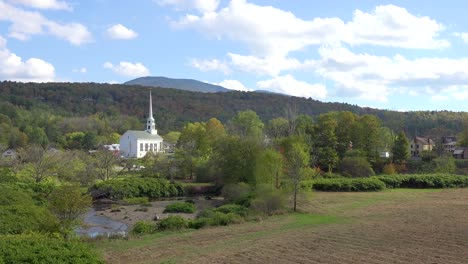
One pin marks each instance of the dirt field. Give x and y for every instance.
(399, 226)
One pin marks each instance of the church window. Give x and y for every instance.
(141, 146)
(151, 147)
(146, 147)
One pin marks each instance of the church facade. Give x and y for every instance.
(135, 144)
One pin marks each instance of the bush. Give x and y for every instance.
(269, 201)
(349, 185)
(239, 193)
(179, 207)
(355, 167)
(232, 208)
(119, 189)
(137, 201)
(173, 222)
(389, 169)
(424, 181)
(143, 227)
(36, 248)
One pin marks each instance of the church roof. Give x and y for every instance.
(144, 135)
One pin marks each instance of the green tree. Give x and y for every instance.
(172, 137)
(68, 204)
(278, 128)
(401, 148)
(326, 142)
(38, 162)
(356, 167)
(296, 158)
(268, 168)
(104, 164)
(247, 124)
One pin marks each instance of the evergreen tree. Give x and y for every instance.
(401, 148)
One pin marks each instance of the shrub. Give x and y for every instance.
(239, 193)
(389, 169)
(137, 200)
(424, 181)
(269, 201)
(143, 227)
(179, 207)
(349, 185)
(233, 208)
(173, 222)
(199, 223)
(36, 248)
(119, 189)
(356, 167)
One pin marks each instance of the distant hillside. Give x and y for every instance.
(173, 108)
(182, 84)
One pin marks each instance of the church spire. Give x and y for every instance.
(150, 124)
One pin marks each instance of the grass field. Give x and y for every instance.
(395, 226)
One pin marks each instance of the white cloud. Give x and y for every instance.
(27, 23)
(119, 31)
(287, 84)
(13, 67)
(270, 65)
(375, 77)
(463, 36)
(210, 65)
(234, 85)
(394, 26)
(44, 4)
(80, 70)
(272, 34)
(200, 5)
(128, 69)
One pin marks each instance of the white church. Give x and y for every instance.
(135, 144)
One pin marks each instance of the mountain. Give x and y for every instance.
(182, 84)
(69, 107)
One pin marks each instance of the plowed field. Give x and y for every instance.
(399, 226)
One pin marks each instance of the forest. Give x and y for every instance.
(84, 115)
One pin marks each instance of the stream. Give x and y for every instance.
(98, 225)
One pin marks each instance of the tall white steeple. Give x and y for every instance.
(150, 124)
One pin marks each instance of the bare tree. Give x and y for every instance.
(38, 162)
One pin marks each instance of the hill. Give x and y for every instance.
(104, 108)
(182, 84)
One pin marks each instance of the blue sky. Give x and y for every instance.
(398, 55)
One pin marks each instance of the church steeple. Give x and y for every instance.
(150, 124)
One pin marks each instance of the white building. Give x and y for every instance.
(135, 144)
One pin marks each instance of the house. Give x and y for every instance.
(449, 144)
(461, 153)
(420, 144)
(135, 144)
(10, 154)
(169, 147)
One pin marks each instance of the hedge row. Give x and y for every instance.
(118, 189)
(424, 181)
(348, 185)
(378, 183)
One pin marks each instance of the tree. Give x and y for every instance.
(401, 148)
(278, 128)
(247, 124)
(104, 164)
(366, 136)
(356, 167)
(215, 130)
(268, 168)
(68, 204)
(38, 162)
(296, 159)
(326, 142)
(172, 137)
(193, 147)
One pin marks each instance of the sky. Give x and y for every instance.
(395, 55)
